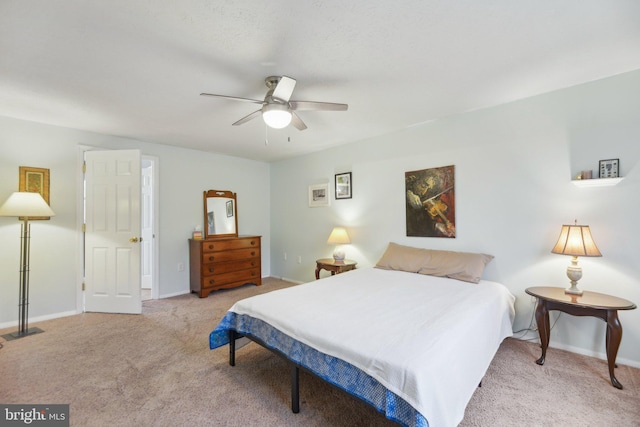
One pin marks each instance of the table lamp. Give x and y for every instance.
(338, 237)
(575, 240)
(24, 205)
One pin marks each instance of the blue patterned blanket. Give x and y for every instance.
(330, 369)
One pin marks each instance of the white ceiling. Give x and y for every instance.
(135, 68)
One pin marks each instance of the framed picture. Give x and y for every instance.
(343, 185)
(229, 208)
(431, 202)
(35, 180)
(319, 195)
(609, 168)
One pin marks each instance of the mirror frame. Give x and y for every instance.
(221, 194)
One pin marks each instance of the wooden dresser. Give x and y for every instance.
(222, 263)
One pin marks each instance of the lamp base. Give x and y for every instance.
(16, 335)
(574, 273)
(338, 256)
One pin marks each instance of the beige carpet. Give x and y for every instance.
(156, 370)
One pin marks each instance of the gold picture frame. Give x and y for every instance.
(35, 180)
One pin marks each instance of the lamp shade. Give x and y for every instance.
(276, 116)
(338, 236)
(576, 240)
(25, 204)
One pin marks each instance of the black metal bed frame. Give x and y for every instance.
(294, 372)
(295, 368)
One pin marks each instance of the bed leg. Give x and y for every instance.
(232, 347)
(295, 389)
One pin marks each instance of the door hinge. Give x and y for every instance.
(83, 286)
(84, 167)
(84, 228)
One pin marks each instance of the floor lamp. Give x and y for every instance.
(24, 205)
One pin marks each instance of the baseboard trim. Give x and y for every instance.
(582, 351)
(40, 319)
(286, 279)
(174, 294)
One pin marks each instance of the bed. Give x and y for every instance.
(413, 345)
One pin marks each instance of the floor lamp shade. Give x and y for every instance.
(575, 240)
(24, 205)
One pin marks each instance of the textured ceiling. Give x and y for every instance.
(135, 68)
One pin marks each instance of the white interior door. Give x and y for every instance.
(112, 236)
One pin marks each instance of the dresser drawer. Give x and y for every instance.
(223, 263)
(229, 266)
(219, 280)
(231, 244)
(236, 255)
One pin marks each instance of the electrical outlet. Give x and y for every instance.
(299, 259)
(180, 266)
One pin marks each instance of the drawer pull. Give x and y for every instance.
(212, 281)
(211, 269)
(210, 247)
(253, 263)
(253, 253)
(211, 258)
(253, 242)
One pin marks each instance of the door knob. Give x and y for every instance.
(133, 240)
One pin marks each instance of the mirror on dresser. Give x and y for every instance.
(220, 214)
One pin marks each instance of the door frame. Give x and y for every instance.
(155, 291)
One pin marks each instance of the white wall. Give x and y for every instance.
(55, 254)
(513, 166)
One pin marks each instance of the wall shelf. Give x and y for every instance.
(598, 182)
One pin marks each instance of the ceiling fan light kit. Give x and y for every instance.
(277, 109)
(276, 116)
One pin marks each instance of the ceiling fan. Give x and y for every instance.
(278, 110)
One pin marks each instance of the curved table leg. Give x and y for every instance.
(614, 336)
(542, 320)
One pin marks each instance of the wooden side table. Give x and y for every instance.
(594, 304)
(333, 266)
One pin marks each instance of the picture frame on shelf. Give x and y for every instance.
(319, 195)
(343, 185)
(609, 168)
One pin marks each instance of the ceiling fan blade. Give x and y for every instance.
(297, 122)
(245, 119)
(284, 88)
(317, 106)
(235, 98)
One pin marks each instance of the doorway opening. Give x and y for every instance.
(149, 259)
(148, 205)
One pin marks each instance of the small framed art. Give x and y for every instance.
(34, 180)
(319, 195)
(609, 168)
(343, 185)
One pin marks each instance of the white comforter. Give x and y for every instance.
(427, 339)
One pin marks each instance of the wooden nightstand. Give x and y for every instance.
(334, 267)
(594, 304)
